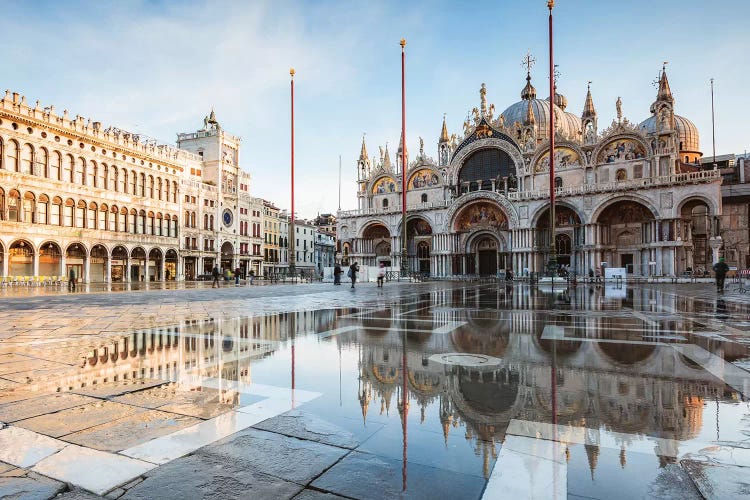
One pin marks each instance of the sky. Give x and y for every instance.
(158, 67)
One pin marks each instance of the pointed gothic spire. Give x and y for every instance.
(665, 93)
(386, 158)
(592, 453)
(444, 137)
(483, 100)
(363, 151)
(400, 146)
(588, 108)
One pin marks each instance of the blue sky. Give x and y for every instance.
(157, 68)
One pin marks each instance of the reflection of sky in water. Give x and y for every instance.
(614, 366)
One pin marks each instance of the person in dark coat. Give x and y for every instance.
(72, 280)
(353, 270)
(337, 272)
(720, 269)
(216, 273)
(237, 276)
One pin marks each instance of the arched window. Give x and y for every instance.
(55, 165)
(142, 184)
(158, 188)
(55, 212)
(103, 211)
(68, 213)
(12, 156)
(385, 203)
(558, 182)
(150, 186)
(192, 219)
(91, 174)
(91, 216)
(211, 220)
(2, 204)
(27, 158)
(79, 172)
(133, 182)
(14, 206)
(424, 197)
(29, 205)
(486, 165)
(205, 221)
(423, 250)
(41, 161)
(81, 214)
(68, 168)
(42, 208)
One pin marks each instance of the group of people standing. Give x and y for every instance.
(352, 274)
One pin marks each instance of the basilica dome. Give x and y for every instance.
(687, 132)
(567, 125)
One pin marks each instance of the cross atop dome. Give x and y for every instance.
(528, 92)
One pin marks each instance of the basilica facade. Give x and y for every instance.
(631, 195)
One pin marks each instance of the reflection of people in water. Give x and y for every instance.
(721, 309)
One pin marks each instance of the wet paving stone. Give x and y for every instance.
(304, 425)
(208, 476)
(717, 481)
(28, 408)
(284, 457)
(309, 494)
(112, 389)
(78, 418)
(131, 430)
(361, 475)
(31, 488)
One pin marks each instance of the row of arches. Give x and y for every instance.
(95, 263)
(39, 161)
(625, 233)
(56, 211)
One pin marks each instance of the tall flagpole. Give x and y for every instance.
(404, 255)
(292, 250)
(339, 182)
(713, 125)
(552, 264)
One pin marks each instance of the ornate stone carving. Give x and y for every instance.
(666, 200)
(504, 203)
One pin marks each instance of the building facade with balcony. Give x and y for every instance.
(631, 196)
(104, 204)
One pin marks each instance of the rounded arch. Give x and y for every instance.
(423, 176)
(21, 255)
(480, 214)
(119, 252)
(596, 214)
(50, 258)
(472, 242)
(540, 218)
(697, 199)
(76, 248)
(138, 253)
(619, 147)
(567, 155)
(506, 206)
(383, 184)
(469, 147)
(372, 229)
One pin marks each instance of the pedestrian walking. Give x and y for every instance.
(72, 280)
(353, 270)
(216, 273)
(337, 272)
(381, 275)
(720, 269)
(237, 276)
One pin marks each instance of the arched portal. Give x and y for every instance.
(138, 264)
(170, 262)
(21, 259)
(119, 263)
(569, 235)
(75, 259)
(485, 261)
(2, 257)
(227, 256)
(98, 263)
(50, 258)
(154, 265)
(695, 230)
(625, 228)
(376, 240)
(419, 241)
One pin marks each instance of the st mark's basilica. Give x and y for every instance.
(631, 195)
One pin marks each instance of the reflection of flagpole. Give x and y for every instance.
(293, 328)
(405, 413)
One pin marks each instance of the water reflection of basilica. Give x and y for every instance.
(642, 389)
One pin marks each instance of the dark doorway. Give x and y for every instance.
(626, 260)
(487, 262)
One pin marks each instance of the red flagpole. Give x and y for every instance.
(553, 252)
(292, 250)
(404, 254)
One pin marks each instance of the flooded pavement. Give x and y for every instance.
(441, 390)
